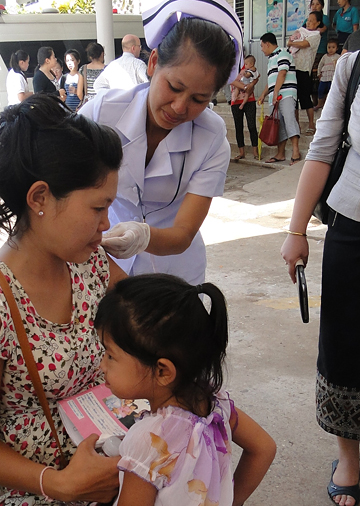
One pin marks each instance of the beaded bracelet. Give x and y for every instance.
(47, 498)
(296, 233)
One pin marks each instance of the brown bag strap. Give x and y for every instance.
(29, 360)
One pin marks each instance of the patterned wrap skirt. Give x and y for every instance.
(338, 379)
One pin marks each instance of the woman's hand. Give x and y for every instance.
(88, 477)
(294, 248)
(62, 94)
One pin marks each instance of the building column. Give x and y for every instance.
(105, 28)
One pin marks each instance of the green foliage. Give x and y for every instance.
(75, 6)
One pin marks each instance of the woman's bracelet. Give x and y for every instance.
(295, 233)
(47, 498)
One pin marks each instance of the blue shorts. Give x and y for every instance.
(324, 88)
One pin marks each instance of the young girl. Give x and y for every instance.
(161, 344)
(72, 60)
(326, 71)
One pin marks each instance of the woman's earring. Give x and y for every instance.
(41, 213)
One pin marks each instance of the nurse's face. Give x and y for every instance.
(178, 93)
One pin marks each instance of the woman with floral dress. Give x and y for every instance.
(54, 210)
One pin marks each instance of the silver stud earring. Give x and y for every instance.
(41, 213)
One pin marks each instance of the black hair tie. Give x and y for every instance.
(199, 288)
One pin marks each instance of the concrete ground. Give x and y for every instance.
(271, 354)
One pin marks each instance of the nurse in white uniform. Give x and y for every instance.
(175, 149)
(17, 86)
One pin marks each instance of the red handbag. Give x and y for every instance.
(269, 132)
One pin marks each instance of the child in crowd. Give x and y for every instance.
(163, 345)
(326, 70)
(249, 74)
(57, 70)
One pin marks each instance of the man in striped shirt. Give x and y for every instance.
(281, 83)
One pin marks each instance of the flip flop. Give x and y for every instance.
(295, 160)
(237, 158)
(310, 131)
(334, 490)
(274, 160)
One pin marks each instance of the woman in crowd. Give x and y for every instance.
(72, 60)
(248, 109)
(338, 380)
(318, 5)
(58, 176)
(304, 60)
(90, 71)
(17, 86)
(346, 21)
(44, 77)
(175, 149)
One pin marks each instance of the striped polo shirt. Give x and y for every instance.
(281, 59)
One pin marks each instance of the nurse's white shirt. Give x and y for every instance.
(15, 84)
(198, 148)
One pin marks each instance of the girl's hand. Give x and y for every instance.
(88, 477)
(294, 248)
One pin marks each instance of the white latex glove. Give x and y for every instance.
(126, 239)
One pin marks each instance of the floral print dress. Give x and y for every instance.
(67, 357)
(186, 457)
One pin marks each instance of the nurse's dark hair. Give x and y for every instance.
(209, 40)
(17, 57)
(42, 140)
(153, 316)
(321, 2)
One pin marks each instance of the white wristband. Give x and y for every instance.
(47, 498)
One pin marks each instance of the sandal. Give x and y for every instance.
(273, 159)
(334, 490)
(295, 160)
(237, 158)
(310, 131)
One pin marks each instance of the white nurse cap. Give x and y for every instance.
(159, 20)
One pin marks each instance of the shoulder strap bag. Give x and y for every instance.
(321, 210)
(30, 361)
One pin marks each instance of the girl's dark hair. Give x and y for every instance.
(319, 17)
(155, 316)
(333, 40)
(321, 2)
(15, 58)
(74, 52)
(208, 39)
(94, 50)
(42, 140)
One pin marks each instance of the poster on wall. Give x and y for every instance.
(274, 16)
(296, 14)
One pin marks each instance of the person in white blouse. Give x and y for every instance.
(124, 72)
(338, 379)
(16, 82)
(175, 149)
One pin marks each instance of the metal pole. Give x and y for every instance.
(104, 28)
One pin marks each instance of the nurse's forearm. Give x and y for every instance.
(169, 241)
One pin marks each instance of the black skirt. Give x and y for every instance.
(338, 382)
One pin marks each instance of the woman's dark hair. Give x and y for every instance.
(94, 50)
(42, 140)
(15, 58)
(155, 316)
(321, 2)
(44, 53)
(74, 52)
(269, 37)
(208, 39)
(319, 17)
